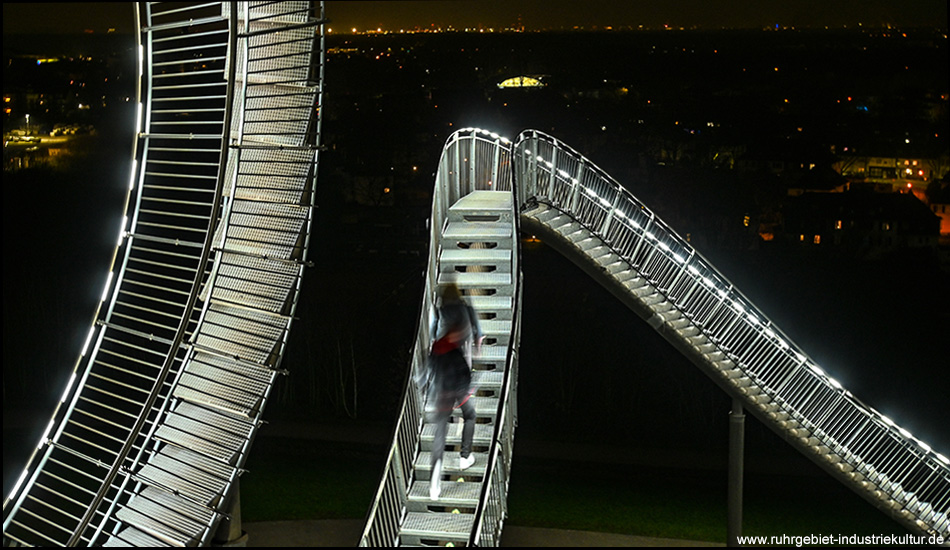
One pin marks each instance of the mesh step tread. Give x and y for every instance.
(261, 17)
(171, 471)
(184, 439)
(453, 435)
(260, 374)
(241, 332)
(224, 384)
(492, 353)
(220, 420)
(250, 293)
(186, 508)
(438, 525)
(476, 255)
(477, 230)
(207, 392)
(183, 482)
(212, 467)
(475, 258)
(205, 431)
(495, 326)
(487, 379)
(166, 516)
(485, 200)
(484, 406)
(130, 536)
(453, 493)
(489, 303)
(476, 278)
(450, 464)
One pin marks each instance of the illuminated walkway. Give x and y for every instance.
(581, 211)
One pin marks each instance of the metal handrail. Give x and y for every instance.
(492, 506)
(880, 459)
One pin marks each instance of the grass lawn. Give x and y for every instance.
(307, 479)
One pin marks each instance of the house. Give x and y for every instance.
(865, 223)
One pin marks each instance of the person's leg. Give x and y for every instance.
(438, 447)
(468, 434)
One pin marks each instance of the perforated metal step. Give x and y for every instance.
(224, 384)
(460, 257)
(187, 473)
(453, 493)
(166, 517)
(440, 526)
(450, 464)
(453, 435)
(205, 431)
(477, 231)
(475, 279)
(484, 201)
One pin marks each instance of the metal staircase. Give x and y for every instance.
(148, 444)
(474, 229)
(585, 214)
(476, 251)
(622, 244)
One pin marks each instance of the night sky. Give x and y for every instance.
(65, 18)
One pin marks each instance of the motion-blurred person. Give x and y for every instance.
(455, 331)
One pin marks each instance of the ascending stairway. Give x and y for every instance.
(581, 211)
(476, 254)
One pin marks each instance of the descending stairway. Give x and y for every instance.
(617, 240)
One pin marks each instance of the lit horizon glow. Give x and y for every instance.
(481, 15)
(488, 16)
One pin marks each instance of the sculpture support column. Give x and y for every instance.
(734, 493)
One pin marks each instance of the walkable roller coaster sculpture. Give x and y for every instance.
(488, 187)
(147, 444)
(152, 432)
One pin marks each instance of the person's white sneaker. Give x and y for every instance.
(466, 461)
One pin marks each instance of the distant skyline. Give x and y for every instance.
(537, 14)
(99, 17)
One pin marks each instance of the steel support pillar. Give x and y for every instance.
(734, 493)
(230, 533)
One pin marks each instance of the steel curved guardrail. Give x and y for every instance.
(155, 425)
(684, 296)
